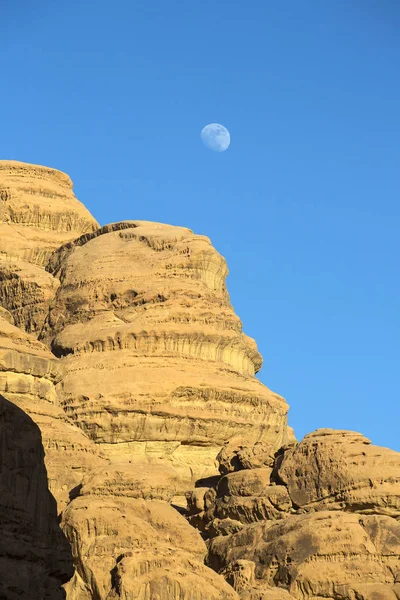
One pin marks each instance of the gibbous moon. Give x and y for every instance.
(216, 137)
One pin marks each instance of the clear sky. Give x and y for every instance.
(304, 204)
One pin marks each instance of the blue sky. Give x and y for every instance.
(304, 204)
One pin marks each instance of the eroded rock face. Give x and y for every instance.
(156, 365)
(341, 470)
(136, 548)
(141, 374)
(238, 454)
(38, 213)
(28, 376)
(35, 557)
(121, 344)
(260, 535)
(326, 554)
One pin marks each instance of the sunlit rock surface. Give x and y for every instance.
(163, 450)
(156, 366)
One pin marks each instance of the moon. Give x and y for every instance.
(216, 137)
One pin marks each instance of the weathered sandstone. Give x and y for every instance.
(28, 375)
(121, 344)
(38, 213)
(327, 554)
(135, 548)
(182, 370)
(341, 470)
(237, 454)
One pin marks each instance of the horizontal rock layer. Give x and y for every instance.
(152, 350)
(28, 377)
(38, 213)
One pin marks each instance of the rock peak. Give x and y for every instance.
(15, 168)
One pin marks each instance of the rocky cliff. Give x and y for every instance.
(175, 473)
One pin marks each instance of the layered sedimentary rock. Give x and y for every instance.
(38, 213)
(35, 557)
(141, 364)
(28, 376)
(156, 365)
(326, 554)
(121, 343)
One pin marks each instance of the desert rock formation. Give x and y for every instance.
(29, 374)
(183, 372)
(38, 213)
(320, 521)
(175, 474)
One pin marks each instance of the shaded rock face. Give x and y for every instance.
(35, 557)
(28, 377)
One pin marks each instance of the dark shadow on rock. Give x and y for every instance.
(74, 493)
(35, 557)
(208, 481)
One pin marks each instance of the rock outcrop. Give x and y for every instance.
(35, 557)
(324, 554)
(38, 213)
(29, 374)
(129, 542)
(321, 520)
(182, 370)
(121, 344)
(341, 470)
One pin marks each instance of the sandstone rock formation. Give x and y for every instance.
(341, 470)
(320, 521)
(38, 213)
(35, 558)
(28, 377)
(183, 372)
(326, 554)
(121, 344)
(129, 543)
